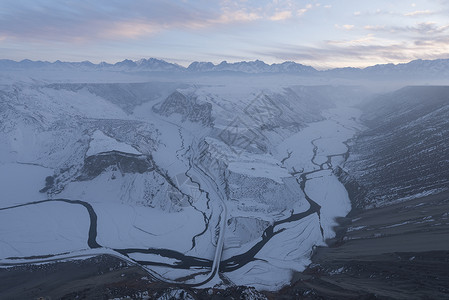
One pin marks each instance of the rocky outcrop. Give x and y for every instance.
(186, 106)
(123, 162)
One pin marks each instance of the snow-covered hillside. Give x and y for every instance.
(403, 154)
(203, 181)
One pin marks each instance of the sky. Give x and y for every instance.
(320, 33)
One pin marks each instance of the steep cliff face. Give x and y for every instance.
(404, 151)
(186, 106)
(117, 172)
(125, 95)
(122, 162)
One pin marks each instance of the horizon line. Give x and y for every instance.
(170, 61)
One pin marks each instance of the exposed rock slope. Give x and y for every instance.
(404, 151)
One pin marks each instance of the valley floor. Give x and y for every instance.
(395, 252)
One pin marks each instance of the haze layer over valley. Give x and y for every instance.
(210, 176)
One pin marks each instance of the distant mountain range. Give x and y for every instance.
(414, 68)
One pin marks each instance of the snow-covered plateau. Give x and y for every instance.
(208, 181)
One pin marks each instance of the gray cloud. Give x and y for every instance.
(442, 41)
(423, 28)
(333, 54)
(86, 20)
(83, 19)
